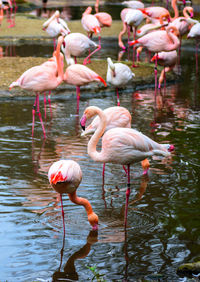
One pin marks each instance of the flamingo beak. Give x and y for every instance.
(64, 44)
(83, 122)
(171, 148)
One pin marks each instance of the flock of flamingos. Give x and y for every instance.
(121, 144)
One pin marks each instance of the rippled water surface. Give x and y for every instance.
(163, 217)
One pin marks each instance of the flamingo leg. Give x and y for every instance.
(77, 98)
(128, 191)
(54, 44)
(85, 61)
(156, 73)
(49, 100)
(63, 215)
(103, 171)
(75, 60)
(134, 35)
(118, 101)
(39, 114)
(33, 116)
(45, 105)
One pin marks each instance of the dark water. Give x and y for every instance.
(163, 218)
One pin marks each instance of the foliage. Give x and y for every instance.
(96, 276)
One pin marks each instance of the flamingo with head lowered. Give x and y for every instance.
(65, 177)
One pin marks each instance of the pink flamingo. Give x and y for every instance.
(91, 24)
(79, 75)
(156, 12)
(71, 48)
(158, 41)
(119, 75)
(166, 59)
(104, 19)
(133, 4)
(115, 117)
(40, 79)
(121, 145)
(65, 177)
(56, 26)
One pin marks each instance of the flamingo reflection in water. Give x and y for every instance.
(69, 270)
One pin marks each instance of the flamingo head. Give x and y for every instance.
(93, 220)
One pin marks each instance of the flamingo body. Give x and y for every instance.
(160, 40)
(77, 44)
(194, 32)
(134, 4)
(56, 26)
(90, 23)
(118, 74)
(104, 19)
(79, 75)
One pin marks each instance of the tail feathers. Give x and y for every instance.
(97, 29)
(131, 43)
(102, 80)
(13, 84)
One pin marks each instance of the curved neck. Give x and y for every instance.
(81, 201)
(92, 144)
(186, 12)
(47, 23)
(172, 37)
(175, 8)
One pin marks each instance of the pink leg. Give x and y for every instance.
(127, 197)
(118, 101)
(63, 215)
(33, 116)
(85, 61)
(103, 172)
(100, 42)
(49, 100)
(133, 65)
(39, 114)
(45, 105)
(156, 72)
(77, 98)
(125, 170)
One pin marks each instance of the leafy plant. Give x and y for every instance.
(97, 275)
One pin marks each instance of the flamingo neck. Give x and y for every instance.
(175, 8)
(59, 61)
(92, 144)
(84, 202)
(175, 42)
(186, 12)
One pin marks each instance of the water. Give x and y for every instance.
(163, 217)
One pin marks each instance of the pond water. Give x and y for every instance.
(163, 218)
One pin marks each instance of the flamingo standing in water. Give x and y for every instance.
(65, 177)
(77, 44)
(79, 75)
(166, 59)
(158, 41)
(119, 75)
(115, 117)
(121, 145)
(56, 26)
(40, 79)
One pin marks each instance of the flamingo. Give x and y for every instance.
(119, 75)
(115, 117)
(156, 12)
(40, 79)
(71, 48)
(79, 75)
(168, 61)
(91, 24)
(121, 145)
(65, 177)
(158, 41)
(195, 34)
(104, 19)
(55, 26)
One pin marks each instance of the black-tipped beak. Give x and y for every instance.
(83, 126)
